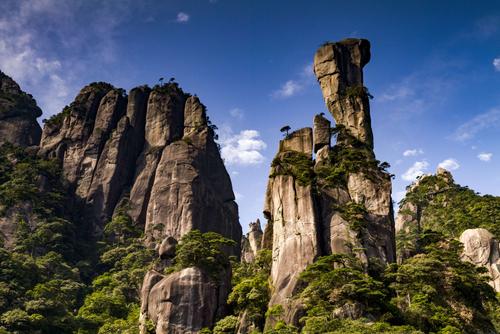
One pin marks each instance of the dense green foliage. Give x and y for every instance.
(296, 164)
(432, 292)
(207, 251)
(40, 281)
(44, 275)
(251, 288)
(113, 304)
(450, 208)
(26, 178)
(348, 156)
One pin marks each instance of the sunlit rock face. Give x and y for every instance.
(251, 243)
(151, 152)
(18, 114)
(309, 203)
(339, 70)
(482, 249)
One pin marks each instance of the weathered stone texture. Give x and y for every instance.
(483, 250)
(18, 114)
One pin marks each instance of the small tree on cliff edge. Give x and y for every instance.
(285, 130)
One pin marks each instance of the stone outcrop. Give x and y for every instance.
(182, 302)
(339, 203)
(18, 114)
(322, 132)
(483, 250)
(339, 69)
(252, 242)
(153, 153)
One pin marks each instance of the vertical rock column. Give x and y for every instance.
(290, 210)
(339, 70)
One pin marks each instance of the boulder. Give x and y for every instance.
(183, 302)
(482, 249)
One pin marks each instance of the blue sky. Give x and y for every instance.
(435, 72)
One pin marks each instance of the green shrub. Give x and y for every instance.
(296, 164)
(206, 251)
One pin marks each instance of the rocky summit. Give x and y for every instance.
(120, 217)
(340, 202)
(18, 114)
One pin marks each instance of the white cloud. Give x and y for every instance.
(47, 46)
(289, 88)
(496, 64)
(236, 113)
(416, 170)
(485, 156)
(243, 148)
(413, 152)
(238, 196)
(308, 70)
(477, 124)
(395, 93)
(303, 78)
(449, 164)
(422, 90)
(182, 17)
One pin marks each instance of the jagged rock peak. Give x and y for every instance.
(153, 154)
(18, 114)
(339, 70)
(340, 203)
(252, 242)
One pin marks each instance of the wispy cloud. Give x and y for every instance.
(41, 41)
(496, 64)
(289, 88)
(422, 90)
(416, 170)
(294, 86)
(413, 152)
(449, 164)
(182, 17)
(243, 148)
(484, 156)
(481, 122)
(237, 113)
(487, 26)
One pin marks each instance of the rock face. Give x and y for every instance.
(339, 69)
(252, 242)
(18, 114)
(182, 302)
(340, 203)
(154, 153)
(482, 249)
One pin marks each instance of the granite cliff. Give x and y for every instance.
(339, 202)
(18, 114)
